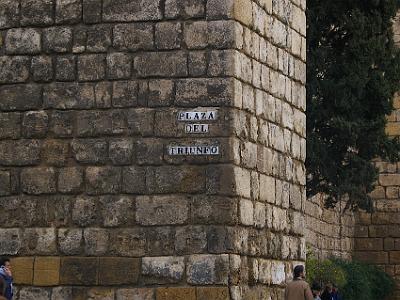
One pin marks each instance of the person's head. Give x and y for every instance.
(335, 288)
(316, 289)
(329, 287)
(298, 271)
(5, 261)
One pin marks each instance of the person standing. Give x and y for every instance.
(316, 290)
(298, 289)
(6, 275)
(328, 293)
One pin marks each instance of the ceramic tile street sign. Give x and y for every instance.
(186, 116)
(196, 128)
(193, 150)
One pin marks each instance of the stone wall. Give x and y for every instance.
(377, 235)
(101, 194)
(329, 232)
(269, 126)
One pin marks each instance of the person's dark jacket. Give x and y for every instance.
(8, 280)
(336, 296)
(327, 296)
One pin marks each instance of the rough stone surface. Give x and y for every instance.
(23, 41)
(90, 191)
(170, 269)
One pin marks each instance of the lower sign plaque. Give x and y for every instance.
(193, 150)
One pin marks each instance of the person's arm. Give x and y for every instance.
(308, 294)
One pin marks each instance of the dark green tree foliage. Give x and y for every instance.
(356, 280)
(353, 71)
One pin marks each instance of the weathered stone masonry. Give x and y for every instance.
(91, 204)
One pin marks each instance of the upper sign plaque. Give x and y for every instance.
(186, 116)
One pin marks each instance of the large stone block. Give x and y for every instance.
(206, 92)
(90, 150)
(128, 242)
(190, 239)
(35, 124)
(134, 180)
(42, 68)
(10, 125)
(57, 39)
(218, 9)
(176, 293)
(62, 123)
(20, 97)
(160, 240)
(61, 293)
(68, 11)
(214, 210)
(65, 68)
(168, 35)
(37, 12)
(133, 37)
(39, 241)
(96, 241)
(376, 257)
(118, 210)
(92, 11)
(118, 66)
(161, 92)
(98, 38)
(22, 269)
(163, 269)
(140, 121)
(28, 293)
(46, 271)
(162, 210)
(208, 269)
(389, 179)
(62, 95)
(103, 180)
(38, 180)
(127, 11)
(135, 294)
(118, 271)
(23, 41)
(125, 94)
(278, 272)
(161, 64)
(5, 183)
(78, 271)
(94, 123)
(215, 293)
(12, 241)
(70, 180)
(184, 9)
(14, 69)
(369, 244)
(91, 67)
(171, 179)
(9, 13)
(84, 211)
(70, 240)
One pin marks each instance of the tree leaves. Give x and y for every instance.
(353, 72)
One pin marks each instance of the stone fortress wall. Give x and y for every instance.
(329, 232)
(377, 234)
(112, 187)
